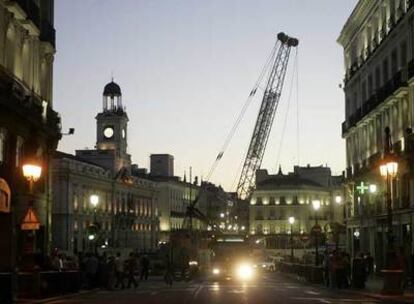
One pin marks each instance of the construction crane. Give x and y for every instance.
(266, 115)
(277, 65)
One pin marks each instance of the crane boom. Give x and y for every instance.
(266, 115)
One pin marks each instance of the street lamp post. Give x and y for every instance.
(291, 222)
(32, 172)
(316, 204)
(388, 170)
(94, 200)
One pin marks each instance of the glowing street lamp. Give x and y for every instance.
(291, 222)
(338, 199)
(388, 170)
(94, 199)
(32, 173)
(316, 204)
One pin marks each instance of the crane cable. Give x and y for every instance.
(263, 72)
(297, 107)
(288, 106)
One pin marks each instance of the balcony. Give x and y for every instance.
(385, 30)
(396, 85)
(16, 98)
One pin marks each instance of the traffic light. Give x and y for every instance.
(92, 232)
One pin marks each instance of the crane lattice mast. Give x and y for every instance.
(266, 115)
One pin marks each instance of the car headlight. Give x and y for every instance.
(216, 271)
(245, 272)
(193, 263)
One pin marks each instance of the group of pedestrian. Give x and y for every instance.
(113, 271)
(342, 272)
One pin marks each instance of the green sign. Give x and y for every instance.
(362, 188)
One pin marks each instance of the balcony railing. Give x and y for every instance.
(399, 80)
(385, 30)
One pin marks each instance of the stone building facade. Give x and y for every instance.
(280, 196)
(127, 212)
(377, 40)
(29, 127)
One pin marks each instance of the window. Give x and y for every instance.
(271, 200)
(75, 202)
(385, 72)
(364, 91)
(2, 145)
(403, 56)
(282, 200)
(394, 61)
(370, 85)
(259, 200)
(19, 148)
(377, 77)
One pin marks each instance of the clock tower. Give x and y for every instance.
(111, 125)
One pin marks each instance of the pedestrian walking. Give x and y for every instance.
(402, 264)
(369, 261)
(358, 272)
(325, 265)
(119, 271)
(131, 269)
(168, 276)
(145, 263)
(91, 270)
(111, 273)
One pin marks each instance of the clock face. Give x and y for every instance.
(108, 132)
(123, 133)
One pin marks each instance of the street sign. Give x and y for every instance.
(30, 220)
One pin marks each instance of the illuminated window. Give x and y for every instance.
(2, 145)
(75, 202)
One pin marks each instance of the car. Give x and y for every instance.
(242, 270)
(265, 265)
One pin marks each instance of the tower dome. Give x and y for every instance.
(112, 97)
(112, 89)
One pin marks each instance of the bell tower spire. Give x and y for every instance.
(111, 125)
(112, 97)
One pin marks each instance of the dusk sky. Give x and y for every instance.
(186, 67)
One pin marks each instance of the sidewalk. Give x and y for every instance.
(153, 282)
(373, 289)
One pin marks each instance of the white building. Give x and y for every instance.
(127, 212)
(280, 196)
(378, 54)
